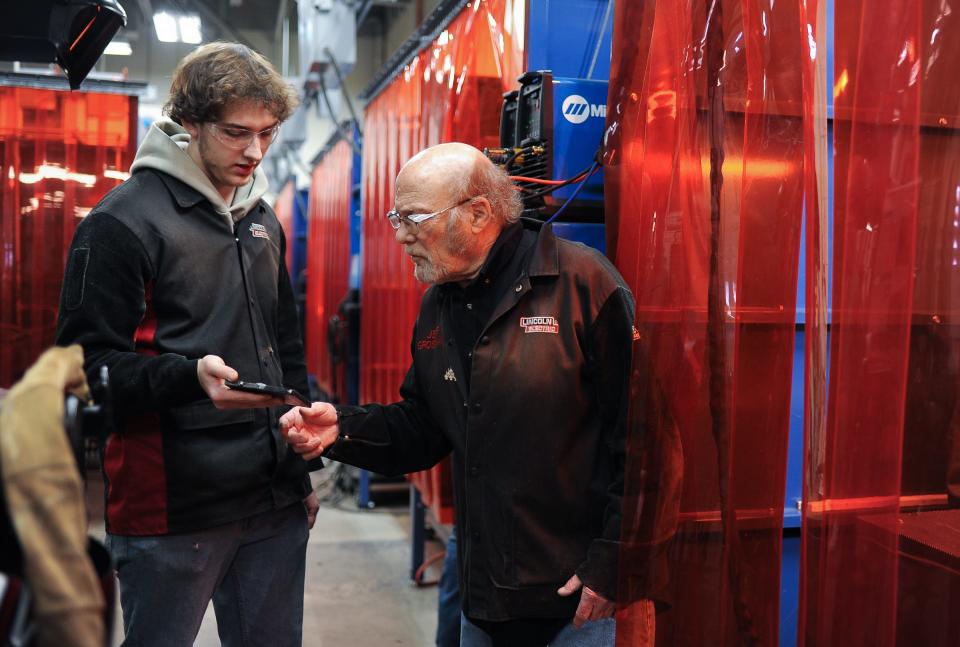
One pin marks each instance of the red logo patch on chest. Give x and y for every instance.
(540, 324)
(259, 231)
(431, 341)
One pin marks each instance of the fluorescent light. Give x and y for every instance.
(166, 26)
(118, 48)
(178, 28)
(190, 29)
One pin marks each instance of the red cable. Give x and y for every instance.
(537, 180)
(418, 576)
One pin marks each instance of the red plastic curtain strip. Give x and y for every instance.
(705, 181)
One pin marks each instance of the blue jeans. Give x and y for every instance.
(253, 569)
(601, 633)
(448, 597)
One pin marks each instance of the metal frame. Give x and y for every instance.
(53, 82)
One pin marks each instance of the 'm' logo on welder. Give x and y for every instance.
(259, 231)
(540, 324)
(577, 110)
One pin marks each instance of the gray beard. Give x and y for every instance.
(429, 275)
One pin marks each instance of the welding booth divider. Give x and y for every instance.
(704, 190)
(881, 552)
(331, 215)
(720, 128)
(61, 152)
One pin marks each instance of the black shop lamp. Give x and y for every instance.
(71, 33)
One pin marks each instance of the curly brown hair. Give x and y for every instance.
(216, 74)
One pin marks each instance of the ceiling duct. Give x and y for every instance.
(327, 34)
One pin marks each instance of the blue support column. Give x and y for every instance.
(363, 494)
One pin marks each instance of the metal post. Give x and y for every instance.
(417, 531)
(363, 498)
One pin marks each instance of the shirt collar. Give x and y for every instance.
(501, 252)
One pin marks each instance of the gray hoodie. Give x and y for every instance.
(165, 149)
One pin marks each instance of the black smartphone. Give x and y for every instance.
(289, 396)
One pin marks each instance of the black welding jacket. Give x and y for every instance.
(538, 443)
(157, 279)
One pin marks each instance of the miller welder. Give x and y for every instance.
(550, 134)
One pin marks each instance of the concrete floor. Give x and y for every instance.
(358, 591)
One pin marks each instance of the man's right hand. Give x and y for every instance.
(212, 371)
(310, 431)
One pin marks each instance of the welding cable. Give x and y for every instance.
(530, 194)
(433, 559)
(516, 153)
(583, 183)
(537, 180)
(554, 183)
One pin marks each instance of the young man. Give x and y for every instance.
(521, 364)
(176, 281)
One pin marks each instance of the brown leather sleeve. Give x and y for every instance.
(45, 495)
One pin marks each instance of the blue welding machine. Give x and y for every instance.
(555, 126)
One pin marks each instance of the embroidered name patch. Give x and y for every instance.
(259, 231)
(540, 324)
(431, 341)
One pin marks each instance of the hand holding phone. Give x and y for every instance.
(289, 396)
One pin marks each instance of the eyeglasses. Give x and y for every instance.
(414, 219)
(239, 138)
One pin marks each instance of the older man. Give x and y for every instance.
(521, 356)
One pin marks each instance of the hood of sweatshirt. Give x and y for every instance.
(165, 149)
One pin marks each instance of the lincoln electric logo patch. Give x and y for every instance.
(431, 341)
(259, 231)
(540, 324)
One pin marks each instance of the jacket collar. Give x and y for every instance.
(185, 195)
(545, 259)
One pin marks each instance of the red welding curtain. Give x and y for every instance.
(60, 153)
(881, 524)
(328, 263)
(450, 91)
(705, 182)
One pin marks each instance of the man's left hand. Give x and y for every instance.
(593, 606)
(312, 505)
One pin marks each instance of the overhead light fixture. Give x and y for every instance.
(118, 48)
(178, 28)
(190, 29)
(166, 26)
